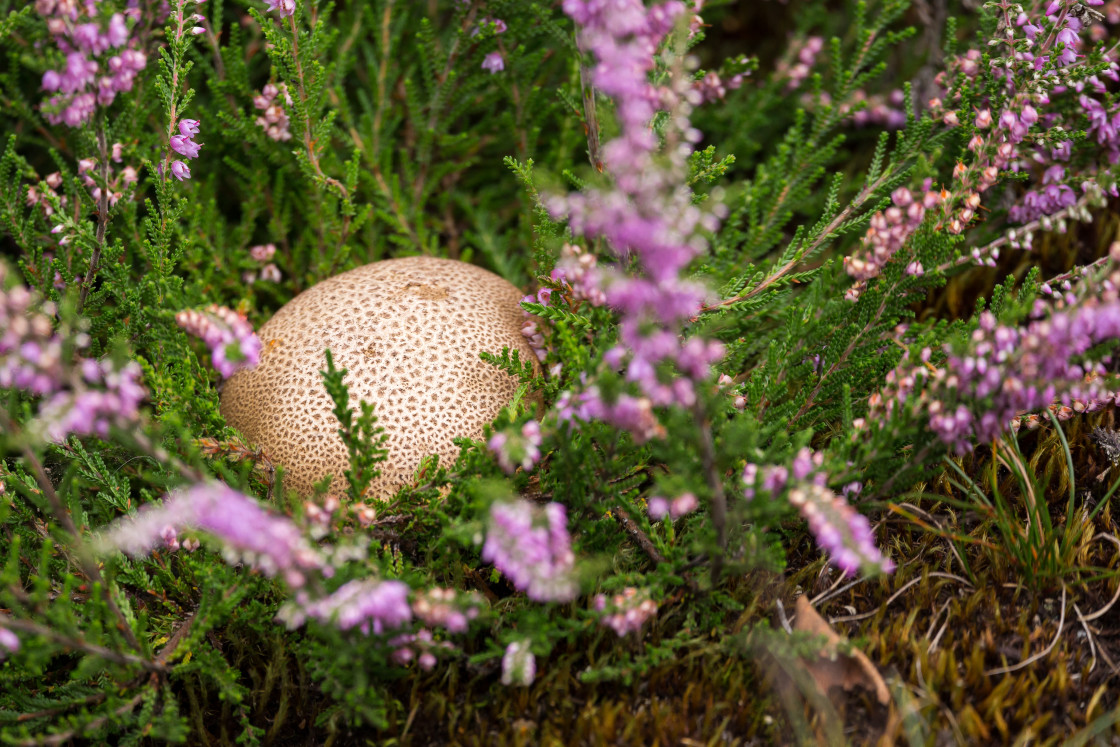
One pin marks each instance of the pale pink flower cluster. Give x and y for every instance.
(275, 120)
(263, 253)
(887, 233)
(519, 666)
(82, 396)
(684, 504)
(118, 182)
(517, 448)
(419, 646)
(626, 612)
(532, 548)
(233, 343)
(578, 270)
(47, 196)
(446, 608)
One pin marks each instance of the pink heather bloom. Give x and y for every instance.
(184, 146)
(498, 24)
(519, 666)
(262, 252)
(109, 396)
(494, 62)
(646, 218)
(889, 231)
(841, 532)
(683, 504)
(284, 7)
(533, 549)
(9, 641)
(657, 508)
(188, 127)
(81, 396)
(1003, 372)
(515, 449)
(626, 612)
(421, 642)
(180, 170)
(225, 332)
(446, 608)
(247, 532)
(89, 77)
(275, 120)
(371, 606)
(271, 273)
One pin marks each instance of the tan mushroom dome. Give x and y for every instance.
(409, 330)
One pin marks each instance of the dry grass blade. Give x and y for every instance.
(897, 594)
(1041, 654)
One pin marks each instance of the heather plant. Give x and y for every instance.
(729, 256)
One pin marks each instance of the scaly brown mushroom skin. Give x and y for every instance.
(409, 330)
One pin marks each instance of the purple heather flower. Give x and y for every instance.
(285, 7)
(494, 62)
(87, 79)
(646, 217)
(224, 331)
(532, 548)
(371, 606)
(446, 608)
(184, 146)
(246, 531)
(1003, 372)
(188, 127)
(841, 532)
(9, 642)
(262, 252)
(626, 612)
(519, 666)
(515, 449)
(180, 170)
(112, 398)
(657, 508)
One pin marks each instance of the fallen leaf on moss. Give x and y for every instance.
(832, 667)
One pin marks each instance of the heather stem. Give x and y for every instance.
(308, 143)
(715, 484)
(1026, 228)
(102, 215)
(591, 119)
(824, 235)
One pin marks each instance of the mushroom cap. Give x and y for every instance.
(409, 331)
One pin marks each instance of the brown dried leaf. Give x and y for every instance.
(833, 668)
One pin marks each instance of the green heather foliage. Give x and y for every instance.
(668, 533)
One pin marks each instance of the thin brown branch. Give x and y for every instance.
(637, 534)
(79, 644)
(97, 723)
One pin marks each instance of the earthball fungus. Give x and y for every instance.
(410, 331)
